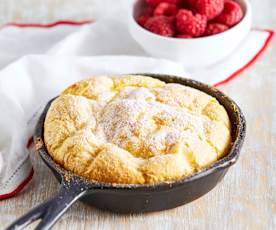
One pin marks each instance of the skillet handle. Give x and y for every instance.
(50, 211)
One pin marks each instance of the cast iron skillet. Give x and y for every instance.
(134, 198)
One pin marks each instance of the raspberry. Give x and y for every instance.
(183, 36)
(215, 28)
(209, 8)
(231, 14)
(154, 3)
(144, 16)
(142, 20)
(161, 25)
(187, 23)
(165, 9)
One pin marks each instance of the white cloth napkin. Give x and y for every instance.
(27, 84)
(110, 36)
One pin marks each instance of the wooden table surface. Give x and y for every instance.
(246, 198)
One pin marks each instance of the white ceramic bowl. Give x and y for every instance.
(195, 52)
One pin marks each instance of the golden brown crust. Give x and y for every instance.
(135, 130)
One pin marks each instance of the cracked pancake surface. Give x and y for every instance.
(135, 130)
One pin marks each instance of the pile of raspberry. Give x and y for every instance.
(189, 18)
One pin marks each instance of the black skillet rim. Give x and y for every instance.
(223, 163)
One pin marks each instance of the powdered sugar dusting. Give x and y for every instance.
(139, 120)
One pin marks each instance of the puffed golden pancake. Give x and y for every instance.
(135, 130)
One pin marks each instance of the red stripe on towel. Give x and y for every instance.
(252, 61)
(19, 188)
(49, 25)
